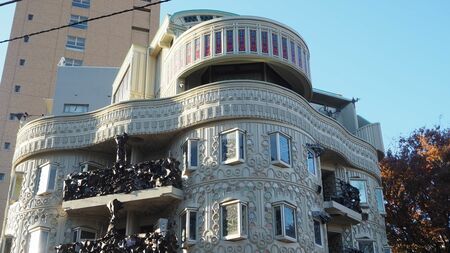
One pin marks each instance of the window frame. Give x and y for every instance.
(242, 224)
(85, 4)
(75, 43)
(238, 158)
(315, 162)
(186, 149)
(76, 19)
(45, 189)
(7, 145)
(71, 62)
(79, 230)
(366, 202)
(40, 249)
(186, 239)
(76, 105)
(366, 241)
(278, 159)
(321, 229)
(84, 166)
(379, 190)
(284, 237)
(2, 177)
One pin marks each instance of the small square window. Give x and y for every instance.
(234, 216)
(75, 20)
(190, 154)
(17, 88)
(280, 149)
(7, 145)
(311, 162)
(22, 62)
(188, 221)
(86, 4)
(318, 233)
(2, 177)
(232, 146)
(284, 218)
(380, 200)
(30, 16)
(47, 179)
(26, 38)
(361, 185)
(75, 108)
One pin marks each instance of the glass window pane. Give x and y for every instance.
(183, 227)
(361, 186)
(207, 44)
(366, 246)
(317, 233)
(230, 219)
(380, 200)
(229, 146)
(284, 149)
(52, 179)
(275, 44)
(193, 226)
(241, 145)
(229, 40)
(244, 223)
(289, 221)
(218, 44)
(311, 163)
(241, 39)
(87, 235)
(278, 230)
(194, 153)
(273, 147)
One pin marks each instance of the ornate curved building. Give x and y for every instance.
(269, 164)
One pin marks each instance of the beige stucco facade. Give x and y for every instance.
(25, 88)
(231, 98)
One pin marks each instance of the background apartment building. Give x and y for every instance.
(29, 73)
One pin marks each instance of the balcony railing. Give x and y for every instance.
(344, 194)
(123, 178)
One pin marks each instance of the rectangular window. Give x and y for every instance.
(230, 43)
(7, 145)
(280, 149)
(318, 233)
(76, 43)
(75, 108)
(284, 47)
(234, 220)
(188, 53)
(284, 218)
(12, 116)
(311, 162)
(22, 62)
(2, 177)
(275, 44)
(82, 3)
(361, 186)
(47, 179)
(17, 88)
(76, 19)
(232, 146)
(197, 48)
(366, 246)
(299, 54)
(72, 62)
(253, 47)
(189, 226)
(190, 19)
(241, 40)
(190, 154)
(207, 45)
(26, 39)
(218, 44)
(38, 240)
(264, 42)
(293, 52)
(380, 200)
(83, 234)
(30, 16)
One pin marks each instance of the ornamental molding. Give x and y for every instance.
(236, 100)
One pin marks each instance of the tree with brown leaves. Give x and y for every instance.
(416, 179)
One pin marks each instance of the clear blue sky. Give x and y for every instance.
(393, 55)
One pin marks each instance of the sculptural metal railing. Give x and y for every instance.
(345, 194)
(122, 177)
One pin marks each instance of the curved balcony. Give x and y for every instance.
(239, 99)
(240, 39)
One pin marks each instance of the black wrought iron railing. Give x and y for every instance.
(343, 193)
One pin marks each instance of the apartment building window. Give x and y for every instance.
(30, 16)
(76, 43)
(17, 88)
(188, 221)
(361, 185)
(284, 218)
(90, 166)
(311, 162)
(12, 116)
(7, 145)
(72, 62)
(234, 217)
(76, 19)
(190, 154)
(83, 234)
(26, 39)
(280, 149)
(22, 62)
(82, 3)
(47, 179)
(366, 246)
(318, 233)
(75, 108)
(232, 146)
(38, 240)
(380, 200)
(2, 177)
